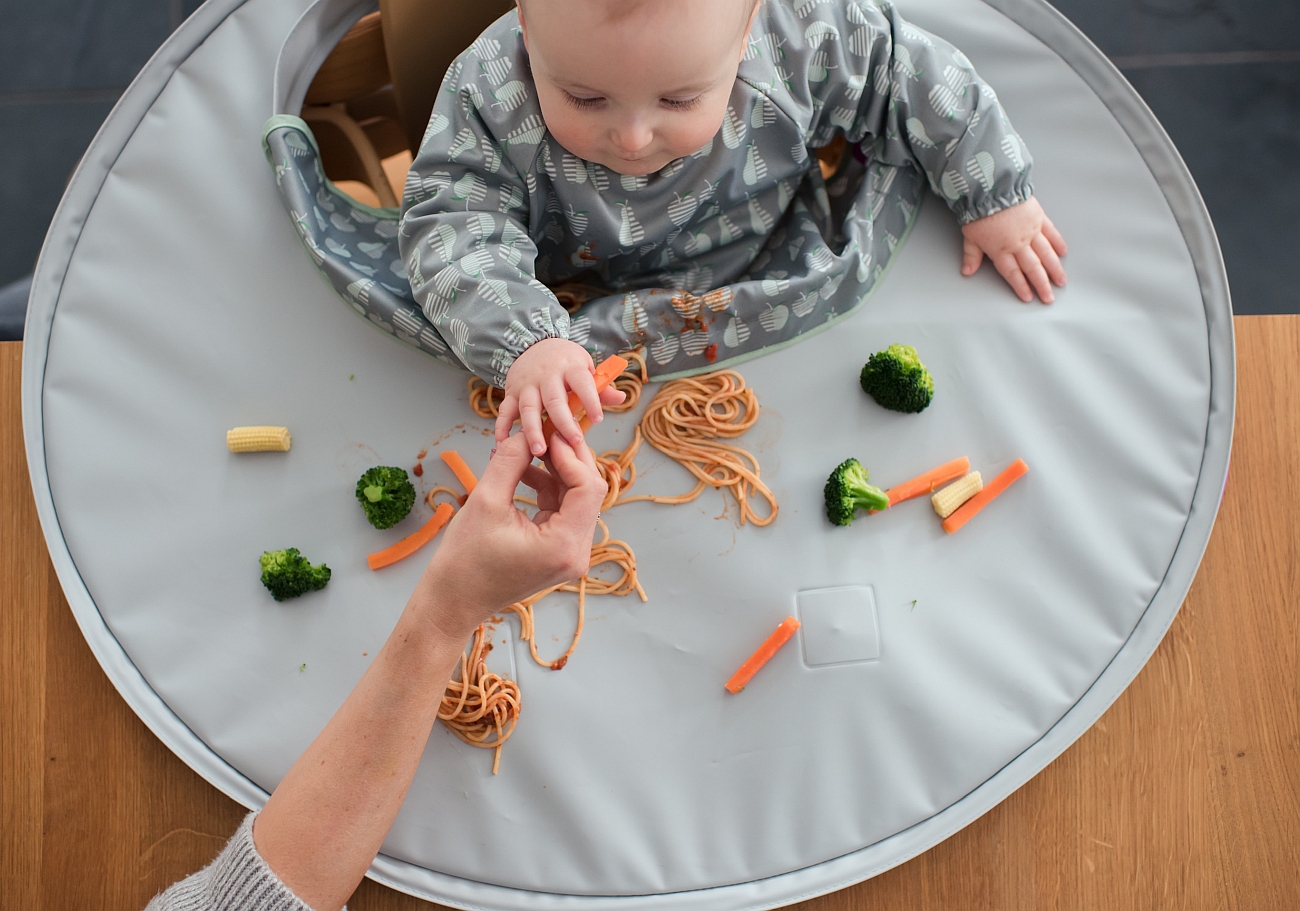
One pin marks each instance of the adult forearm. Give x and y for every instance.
(327, 819)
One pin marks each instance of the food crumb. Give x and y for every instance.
(352, 376)
(365, 654)
(913, 607)
(711, 353)
(418, 470)
(301, 668)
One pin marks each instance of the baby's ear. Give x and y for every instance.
(749, 27)
(523, 26)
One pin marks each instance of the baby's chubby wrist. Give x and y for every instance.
(547, 356)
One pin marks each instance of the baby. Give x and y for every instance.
(653, 156)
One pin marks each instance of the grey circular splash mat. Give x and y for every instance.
(173, 300)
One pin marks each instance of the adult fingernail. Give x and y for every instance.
(492, 453)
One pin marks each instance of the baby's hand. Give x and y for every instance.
(1023, 245)
(541, 379)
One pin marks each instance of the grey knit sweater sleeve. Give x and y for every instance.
(238, 880)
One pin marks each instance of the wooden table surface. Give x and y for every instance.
(1185, 795)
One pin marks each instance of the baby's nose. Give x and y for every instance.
(631, 138)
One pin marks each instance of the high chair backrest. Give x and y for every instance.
(421, 39)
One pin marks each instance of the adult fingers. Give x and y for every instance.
(583, 486)
(545, 485)
(1054, 237)
(1009, 269)
(530, 417)
(556, 399)
(971, 256)
(504, 472)
(584, 387)
(570, 527)
(506, 415)
(1037, 275)
(1051, 262)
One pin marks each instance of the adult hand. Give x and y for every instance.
(540, 380)
(1023, 245)
(492, 554)
(329, 815)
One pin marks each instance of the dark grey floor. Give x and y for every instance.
(1223, 76)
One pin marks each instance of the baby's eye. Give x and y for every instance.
(680, 105)
(584, 104)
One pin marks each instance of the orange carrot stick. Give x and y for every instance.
(414, 541)
(606, 373)
(925, 484)
(764, 654)
(967, 510)
(459, 469)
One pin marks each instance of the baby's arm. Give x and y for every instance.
(470, 262)
(912, 98)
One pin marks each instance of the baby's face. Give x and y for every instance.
(634, 85)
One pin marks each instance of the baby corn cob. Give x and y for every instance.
(947, 500)
(258, 439)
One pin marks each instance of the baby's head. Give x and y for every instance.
(634, 84)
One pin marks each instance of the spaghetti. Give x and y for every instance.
(686, 419)
(607, 550)
(480, 707)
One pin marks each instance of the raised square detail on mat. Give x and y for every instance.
(838, 625)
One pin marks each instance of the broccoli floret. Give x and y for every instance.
(847, 490)
(288, 574)
(386, 494)
(897, 379)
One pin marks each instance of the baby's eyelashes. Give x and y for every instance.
(678, 104)
(598, 101)
(584, 104)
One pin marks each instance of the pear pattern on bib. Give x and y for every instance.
(734, 247)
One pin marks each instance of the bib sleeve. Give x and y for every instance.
(907, 96)
(464, 238)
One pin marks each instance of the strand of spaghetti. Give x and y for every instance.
(685, 421)
(480, 707)
(618, 468)
(452, 492)
(607, 550)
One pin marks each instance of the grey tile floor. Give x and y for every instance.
(1223, 76)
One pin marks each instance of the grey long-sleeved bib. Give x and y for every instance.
(734, 249)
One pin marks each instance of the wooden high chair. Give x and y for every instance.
(371, 99)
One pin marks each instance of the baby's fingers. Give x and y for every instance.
(530, 416)
(1009, 269)
(506, 415)
(584, 387)
(1054, 237)
(556, 399)
(971, 256)
(1047, 256)
(1033, 270)
(611, 396)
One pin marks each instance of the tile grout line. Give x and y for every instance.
(1210, 58)
(61, 96)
